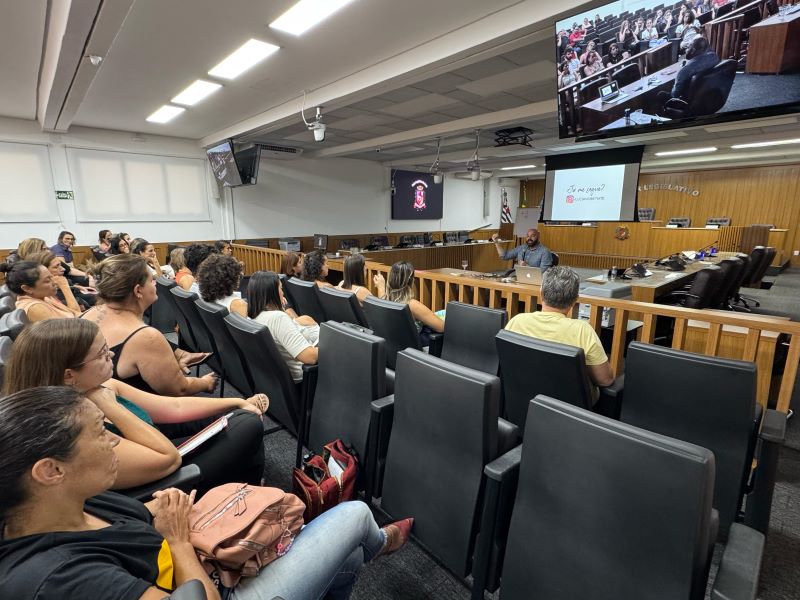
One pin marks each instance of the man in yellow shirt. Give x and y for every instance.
(554, 323)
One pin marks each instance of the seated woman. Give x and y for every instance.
(26, 248)
(400, 288)
(224, 247)
(64, 293)
(296, 338)
(118, 245)
(103, 248)
(147, 251)
(292, 264)
(193, 256)
(142, 356)
(77, 355)
(355, 273)
(219, 276)
(315, 268)
(65, 537)
(178, 264)
(36, 291)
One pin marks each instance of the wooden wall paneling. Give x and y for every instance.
(568, 238)
(665, 241)
(636, 244)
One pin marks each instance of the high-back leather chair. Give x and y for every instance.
(469, 336)
(393, 322)
(185, 336)
(734, 291)
(699, 294)
(606, 511)
(443, 435)
(342, 306)
(706, 93)
(5, 291)
(704, 400)
(306, 299)
(162, 312)
(731, 269)
(233, 362)
(591, 90)
(530, 366)
(12, 323)
(6, 344)
(7, 304)
(769, 256)
(202, 336)
(287, 293)
(757, 255)
(627, 74)
(351, 374)
(269, 371)
(555, 259)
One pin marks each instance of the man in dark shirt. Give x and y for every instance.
(532, 253)
(700, 58)
(63, 250)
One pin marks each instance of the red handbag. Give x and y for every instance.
(317, 487)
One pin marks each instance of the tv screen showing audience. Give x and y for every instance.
(223, 164)
(416, 196)
(632, 66)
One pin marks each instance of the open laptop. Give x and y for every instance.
(609, 93)
(529, 275)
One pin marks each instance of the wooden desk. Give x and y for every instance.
(597, 114)
(480, 256)
(774, 45)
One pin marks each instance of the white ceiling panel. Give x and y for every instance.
(22, 28)
(419, 105)
(509, 80)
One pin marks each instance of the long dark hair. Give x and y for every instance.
(312, 266)
(22, 272)
(37, 423)
(353, 271)
(263, 293)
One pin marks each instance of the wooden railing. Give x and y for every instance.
(436, 290)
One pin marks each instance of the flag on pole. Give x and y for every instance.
(505, 211)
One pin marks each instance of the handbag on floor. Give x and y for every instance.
(237, 528)
(325, 481)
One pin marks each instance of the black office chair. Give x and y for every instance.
(190, 590)
(12, 323)
(184, 479)
(591, 90)
(347, 243)
(234, 364)
(607, 511)
(4, 291)
(758, 275)
(349, 397)
(186, 339)
(701, 291)
(709, 401)
(287, 293)
(305, 299)
(163, 312)
(757, 256)
(707, 92)
(7, 304)
(6, 345)
(393, 322)
(342, 306)
(627, 74)
(445, 431)
(555, 258)
(202, 336)
(530, 366)
(731, 270)
(469, 336)
(270, 373)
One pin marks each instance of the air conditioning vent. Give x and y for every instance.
(280, 152)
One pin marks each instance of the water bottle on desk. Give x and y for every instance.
(713, 251)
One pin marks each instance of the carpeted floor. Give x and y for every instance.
(412, 574)
(754, 91)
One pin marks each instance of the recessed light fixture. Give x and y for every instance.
(690, 151)
(764, 144)
(520, 167)
(165, 113)
(196, 92)
(248, 55)
(305, 14)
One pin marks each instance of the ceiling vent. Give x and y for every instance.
(280, 152)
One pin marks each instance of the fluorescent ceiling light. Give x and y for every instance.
(690, 151)
(165, 113)
(248, 55)
(520, 167)
(196, 92)
(305, 14)
(763, 144)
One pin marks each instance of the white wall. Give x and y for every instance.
(341, 196)
(17, 130)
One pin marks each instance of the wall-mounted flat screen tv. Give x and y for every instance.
(223, 164)
(634, 66)
(416, 196)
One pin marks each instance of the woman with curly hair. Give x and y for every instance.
(315, 268)
(219, 276)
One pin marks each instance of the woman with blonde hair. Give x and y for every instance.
(400, 288)
(26, 249)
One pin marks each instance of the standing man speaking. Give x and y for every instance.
(532, 253)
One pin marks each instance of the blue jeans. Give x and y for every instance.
(325, 558)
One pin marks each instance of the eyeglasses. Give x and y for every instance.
(104, 354)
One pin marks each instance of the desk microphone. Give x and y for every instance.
(708, 247)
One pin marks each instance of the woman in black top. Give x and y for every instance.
(65, 538)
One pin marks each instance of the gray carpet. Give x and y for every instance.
(412, 574)
(754, 91)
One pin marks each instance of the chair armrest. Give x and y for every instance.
(677, 104)
(616, 388)
(189, 590)
(308, 386)
(504, 466)
(183, 479)
(380, 430)
(773, 427)
(737, 578)
(507, 435)
(436, 343)
(758, 509)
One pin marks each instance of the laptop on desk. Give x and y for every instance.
(609, 93)
(529, 275)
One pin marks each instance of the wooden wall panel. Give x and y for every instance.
(635, 245)
(531, 191)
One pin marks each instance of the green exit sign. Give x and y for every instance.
(64, 195)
